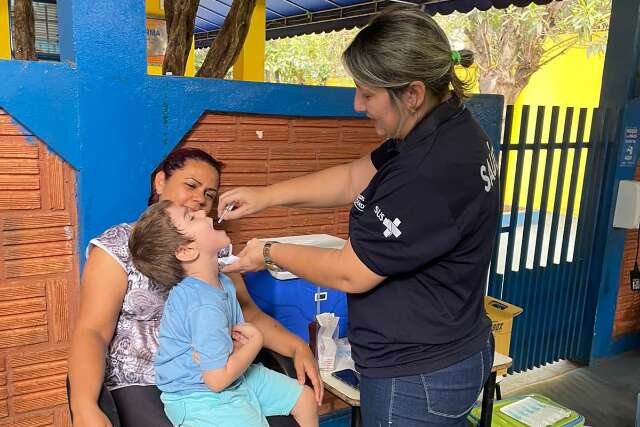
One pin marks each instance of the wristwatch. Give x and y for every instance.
(266, 254)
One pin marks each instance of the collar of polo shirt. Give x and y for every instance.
(444, 112)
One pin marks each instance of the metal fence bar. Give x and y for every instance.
(525, 286)
(606, 156)
(495, 279)
(568, 277)
(586, 218)
(542, 286)
(507, 287)
(556, 307)
(547, 302)
(510, 284)
(577, 152)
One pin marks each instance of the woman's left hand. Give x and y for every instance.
(306, 366)
(251, 258)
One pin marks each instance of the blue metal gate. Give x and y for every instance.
(551, 181)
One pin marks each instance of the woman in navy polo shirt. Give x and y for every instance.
(421, 228)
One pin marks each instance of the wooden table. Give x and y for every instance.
(351, 396)
(346, 393)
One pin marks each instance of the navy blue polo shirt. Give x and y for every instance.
(426, 221)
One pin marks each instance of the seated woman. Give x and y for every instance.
(120, 311)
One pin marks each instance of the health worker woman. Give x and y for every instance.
(421, 228)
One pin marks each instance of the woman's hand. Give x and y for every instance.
(246, 201)
(306, 366)
(250, 258)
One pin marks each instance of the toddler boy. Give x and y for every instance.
(203, 364)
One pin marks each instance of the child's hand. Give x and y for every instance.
(247, 331)
(239, 340)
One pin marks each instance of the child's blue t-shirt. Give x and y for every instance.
(197, 318)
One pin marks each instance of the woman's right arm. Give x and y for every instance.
(104, 285)
(333, 187)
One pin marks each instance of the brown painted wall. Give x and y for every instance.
(259, 150)
(628, 306)
(38, 278)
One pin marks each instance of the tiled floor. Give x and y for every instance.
(605, 393)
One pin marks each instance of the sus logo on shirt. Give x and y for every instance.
(489, 170)
(391, 227)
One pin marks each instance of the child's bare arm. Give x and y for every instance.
(242, 356)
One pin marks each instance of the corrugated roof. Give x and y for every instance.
(287, 18)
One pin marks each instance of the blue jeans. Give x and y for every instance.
(440, 398)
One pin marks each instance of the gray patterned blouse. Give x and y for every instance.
(135, 340)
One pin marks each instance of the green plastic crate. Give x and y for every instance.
(500, 419)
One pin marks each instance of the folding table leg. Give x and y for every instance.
(356, 420)
(487, 400)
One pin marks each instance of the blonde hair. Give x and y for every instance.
(153, 244)
(401, 45)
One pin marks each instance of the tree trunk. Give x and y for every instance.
(180, 18)
(228, 43)
(24, 30)
(497, 81)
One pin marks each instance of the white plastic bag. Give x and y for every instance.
(327, 335)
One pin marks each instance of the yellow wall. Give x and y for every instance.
(155, 9)
(250, 63)
(572, 79)
(190, 69)
(5, 40)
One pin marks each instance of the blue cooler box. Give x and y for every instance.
(292, 302)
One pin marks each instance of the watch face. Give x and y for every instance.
(266, 249)
(268, 262)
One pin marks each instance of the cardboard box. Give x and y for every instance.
(501, 314)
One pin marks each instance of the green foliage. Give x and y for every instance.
(310, 59)
(511, 44)
(588, 19)
(200, 54)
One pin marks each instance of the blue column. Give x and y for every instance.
(619, 91)
(623, 49)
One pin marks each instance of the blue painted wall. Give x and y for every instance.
(101, 113)
(620, 91)
(611, 242)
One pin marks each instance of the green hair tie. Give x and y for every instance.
(455, 56)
